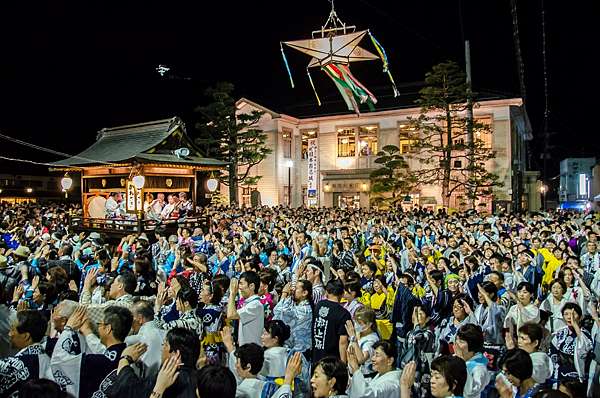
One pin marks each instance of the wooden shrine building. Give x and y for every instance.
(128, 166)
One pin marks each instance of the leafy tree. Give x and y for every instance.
(440, 140)
(231, 137)
(392, 181)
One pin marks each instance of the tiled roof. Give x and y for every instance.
(129, 142)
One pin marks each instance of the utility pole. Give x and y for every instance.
(546, 153)
(470, 138)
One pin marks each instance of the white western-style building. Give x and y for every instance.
(326, 160)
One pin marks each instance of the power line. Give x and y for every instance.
(52, 151)
(26, 161)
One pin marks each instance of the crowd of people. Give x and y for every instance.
(278, 302)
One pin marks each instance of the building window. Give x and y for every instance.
(246, 194)
(346, 143)
(407, 135)
(458, 164)
(287, 143)
(484, 135)
(307, 135)
(367, 140)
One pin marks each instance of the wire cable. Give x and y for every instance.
(26, 161)
(52, 151)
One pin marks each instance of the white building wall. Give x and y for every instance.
(275, 174)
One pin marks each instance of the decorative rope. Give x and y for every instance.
(287, 66)
(313, 86)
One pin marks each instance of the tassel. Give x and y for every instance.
(313, 86)
(396, 92)
(386, 65)
(381, 52)
(287, 66)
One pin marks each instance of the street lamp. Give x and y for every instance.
(289, 164)
(66, 182)
(543, 190)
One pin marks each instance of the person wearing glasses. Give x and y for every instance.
(84, 374)
(517, 371)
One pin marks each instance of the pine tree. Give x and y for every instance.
(440, 140)
(231, 137)
(392, 181)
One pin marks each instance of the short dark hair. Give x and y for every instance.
(561, 282)
(334, 367)
(335, 287)
(491, 289)
(216, 290)
(518, 363)
(279, 330)
(251, 278)
(371, 265)
(572, 306)
(307, 287)
(145, 309)
(67, 249)
(120, 320)
(454, 371)
(187, 343)
(188, 296)
(575, 387)
(32, 322)
(36, 388)
(437, 275)
(251, 354)
(388, 348)
(500, 275)
(215, 381)
(353, 287)
(128, 281)
(472, 335)
(527, 286)
(534, 331)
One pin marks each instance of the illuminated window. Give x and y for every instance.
(367, 140)
(287, 143)
(346, 143)
(246, 195)
(307, 135)
(484, 135)
(407, 141)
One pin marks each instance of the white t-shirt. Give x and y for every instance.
(252, 321)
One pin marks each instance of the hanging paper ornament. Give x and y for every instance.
(332, 48)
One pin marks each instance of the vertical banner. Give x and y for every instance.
(313, 172)
(133, 198)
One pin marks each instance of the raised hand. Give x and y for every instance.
(73, 285)
(77, 319)
(407, 379)
(293, 368)
(226, 335)
(168, 373)
(350, 328)
(233, 286)
(22, 306)
(18, 292)
(352, 359)
(90, 278)
(135, 351)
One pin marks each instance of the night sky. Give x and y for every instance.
(68, 69)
